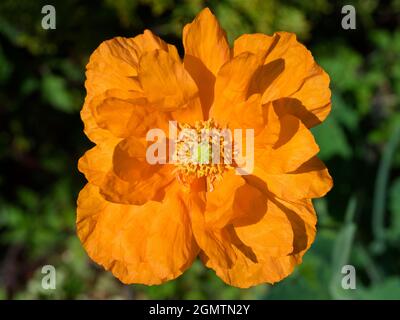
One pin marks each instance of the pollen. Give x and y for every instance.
(202, 150)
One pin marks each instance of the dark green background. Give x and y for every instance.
(41, 139)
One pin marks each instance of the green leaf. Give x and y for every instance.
(379, 202)
(55, 92)
(389, 289)
(349, 64)
(341, 252)
(331, 139)
(343, 113)
(394, 207)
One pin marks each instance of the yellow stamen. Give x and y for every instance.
(194, 154)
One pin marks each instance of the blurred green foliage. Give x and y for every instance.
(41, 139)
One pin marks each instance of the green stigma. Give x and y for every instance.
(202, 155)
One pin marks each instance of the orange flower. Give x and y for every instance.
(148, 222)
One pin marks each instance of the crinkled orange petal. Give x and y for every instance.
(189, 115)
(113, 65)
(121, 237)
(206, 40)
(217, 242)
(295, 145)
(261, 267)
(171, 227)
(220, 201)
(246, 273)
(96, 162)
(148, 41)
(168, 87)
(165, 82)
(259, 228)
(127, 114)
(271, 235)
(91, 128)
(234, 81)
(132, 179)
(291, 73)
(255, 43)
(244, 115)
(171, 233)
(214, 238)
(311, 108)
(206, 50)
(296, 60)
(310, 180)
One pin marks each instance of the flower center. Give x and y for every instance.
(202, 150)
(202, 154)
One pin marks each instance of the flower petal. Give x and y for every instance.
(255, 43)
(291, 73)
(126, 114)
(271, 235)
(91, 128)
(206, 40)
(132, 179)
(147, 42)
(246, 273)
(96, 162)
(303, 218)
(244, 115)
(206, 50)
(216, 242)
(234, 81)
(310, 180)
(121, 238)
(283, 46)
(295, 145)
(220, 201)
(113, 65)
(312, 102)
(171, 245)
(165, 82)
(258, 227)
(262, 267)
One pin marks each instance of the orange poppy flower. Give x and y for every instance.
(148, 222)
